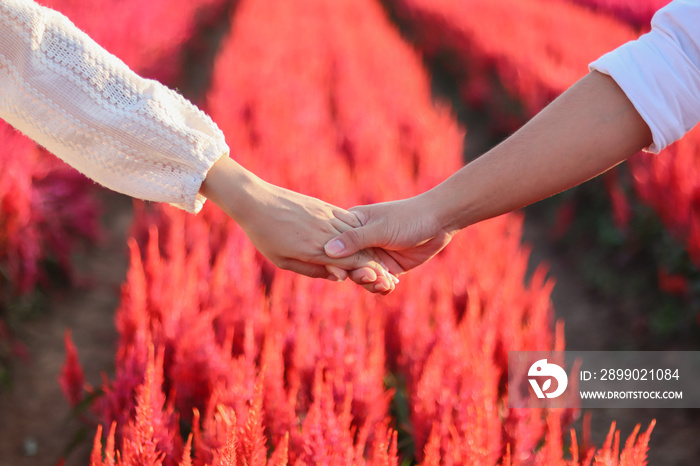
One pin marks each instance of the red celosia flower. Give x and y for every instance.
(47, 211)
(72, 379)
(622, 212)
(152, 433)
(280, 455)
(187, 453)
(96, 458)
(225, 455)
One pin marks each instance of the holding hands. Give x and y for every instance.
(552, 152)
(291, 229)
(368, 244)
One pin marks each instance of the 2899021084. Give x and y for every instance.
(639, 374)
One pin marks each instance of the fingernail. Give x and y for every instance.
(383, 271)
(367, 279)
(395, 279)
(334, 278)
(335, 247)
(382, 287)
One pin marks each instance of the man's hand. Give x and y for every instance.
(406, 231)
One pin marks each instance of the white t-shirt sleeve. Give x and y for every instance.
(660, 72)
(130, 134)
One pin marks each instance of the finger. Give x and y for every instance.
(383, 286)
(387, 261)
(354, 261)
(361, 213)
(336, 273)
(347, 218)
(349, 242)
(363, 275)
(310, 270)
(372, 273)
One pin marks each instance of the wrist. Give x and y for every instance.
(232, 188)
(446, 207)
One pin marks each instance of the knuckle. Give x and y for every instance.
(359, 260)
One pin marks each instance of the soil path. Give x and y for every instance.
(35, 422)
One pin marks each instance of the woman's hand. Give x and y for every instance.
(290, 228)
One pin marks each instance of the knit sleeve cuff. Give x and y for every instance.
(193, 200)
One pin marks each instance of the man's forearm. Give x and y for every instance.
(587, 130)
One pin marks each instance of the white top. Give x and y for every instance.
(660, 72)
(128, 133)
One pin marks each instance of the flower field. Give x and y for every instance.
(223, 359)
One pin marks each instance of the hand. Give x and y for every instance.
(290, 228)
(407, 232)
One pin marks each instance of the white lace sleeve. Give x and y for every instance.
(130, 134)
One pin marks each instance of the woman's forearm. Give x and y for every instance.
(587, 130)
(232, 188)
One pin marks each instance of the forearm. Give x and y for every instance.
(587, 130)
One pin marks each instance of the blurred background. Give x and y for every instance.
(307, 90)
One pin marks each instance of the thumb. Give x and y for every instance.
(349, 242)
